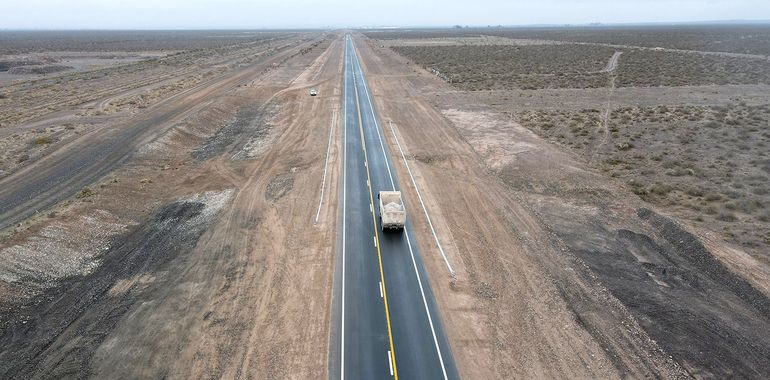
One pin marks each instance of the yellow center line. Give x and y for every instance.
(376, 234)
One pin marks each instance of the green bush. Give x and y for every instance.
(85, 193)
(727, 217)
(43, 140)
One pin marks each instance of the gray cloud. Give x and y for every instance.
(144, 14)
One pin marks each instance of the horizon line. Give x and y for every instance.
(393, 26)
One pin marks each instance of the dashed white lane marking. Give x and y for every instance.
(390, 363)
(357, 63)
(409, 243)
(374, 240)
(380, 289)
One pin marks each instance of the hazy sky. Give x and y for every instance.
(144, 14)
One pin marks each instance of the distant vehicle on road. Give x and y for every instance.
(313, 92)
(392, 211)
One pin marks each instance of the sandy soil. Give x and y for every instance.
(560, 271)
(196, 255)
(216, 253)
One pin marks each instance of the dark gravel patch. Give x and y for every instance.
(687, 247)
(710, 320)
(56, 334)
(6, 65)
(279, 187)
(250, 124)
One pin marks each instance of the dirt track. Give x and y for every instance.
(89, 157)
(198, 256)
(225, 243)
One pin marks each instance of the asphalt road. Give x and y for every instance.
(385, 315)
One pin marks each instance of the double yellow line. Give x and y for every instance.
(374, 224)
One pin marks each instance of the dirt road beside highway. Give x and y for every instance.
(191, 232)
(199, 256)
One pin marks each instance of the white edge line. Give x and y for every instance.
(424, 209)
(326, 163)
(344, 210)
(425, 303)
(409, 242)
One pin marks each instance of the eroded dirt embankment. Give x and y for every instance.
(683, 298)
(212, 267)
(85, 159)
(56, 333)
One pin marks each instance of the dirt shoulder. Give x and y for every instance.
(561, 272)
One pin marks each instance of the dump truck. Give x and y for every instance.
(392, 211)
(313, 92)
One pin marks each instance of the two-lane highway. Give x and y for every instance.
(387, 321)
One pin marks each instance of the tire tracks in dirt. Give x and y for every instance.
(247, 295)
(610, 69)
(79, 163)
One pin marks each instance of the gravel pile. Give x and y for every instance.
(60, 250)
